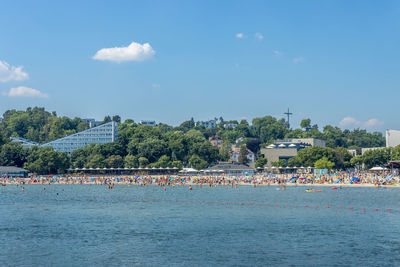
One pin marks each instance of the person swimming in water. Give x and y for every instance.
(190, 188)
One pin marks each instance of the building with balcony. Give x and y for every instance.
(105, 133)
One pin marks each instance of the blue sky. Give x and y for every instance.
(336, 62)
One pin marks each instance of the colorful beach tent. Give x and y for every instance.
(354, 179)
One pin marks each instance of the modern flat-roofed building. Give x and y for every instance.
(310, 141)
(105, 133)
(288, 148)
(392, 138)
(12, 171)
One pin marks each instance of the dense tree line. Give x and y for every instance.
(167, 146)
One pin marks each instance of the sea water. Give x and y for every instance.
(90, 225)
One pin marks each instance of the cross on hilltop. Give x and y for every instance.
(288, 113)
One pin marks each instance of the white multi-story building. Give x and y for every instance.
(207, 124)
(392, 138)
(105, 133)
(150, 123)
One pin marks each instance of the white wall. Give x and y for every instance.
(392, 138)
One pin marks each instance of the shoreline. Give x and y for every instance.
(227, 185)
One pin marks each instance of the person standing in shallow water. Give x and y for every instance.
(190, 188)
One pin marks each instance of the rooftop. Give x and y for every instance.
(231, 166)
(4, 169)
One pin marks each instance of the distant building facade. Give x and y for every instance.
(26, 143)
(105, 133)
(310, 141)
(288, 148)
(392, 138)
(149, 123)
(250, 155)
(230, 125)
(92, 122)
(207, 124)
(229, 168)
(216, 141)
(353, 152)
(12, 171)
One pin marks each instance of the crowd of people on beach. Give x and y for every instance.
(337, 178)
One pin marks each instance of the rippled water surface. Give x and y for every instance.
(89, 225)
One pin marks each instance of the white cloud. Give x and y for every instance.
(298, 59)
(349, 122)
(258, 36)
(11, 73)
(133, 52)
(277, 53)
(240, 35)
(371, 124)
(23, 91)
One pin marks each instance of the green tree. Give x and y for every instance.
(376, 157)
(107, 119)
(44, 160)
(163, 162)
(114, 161)
(342, 158)
(143, 162)
(95, 161)
(395, 154)
(306, 124)
(243, 154)
(308, 156)
(177, 164)
(279, 163)
(131, 161)
(225, 152)
(294, 162)
(356, 161)
(13, 155)
(116, 118)
(324, 163)
(152, 149)
(197, 163)
(261, 162)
